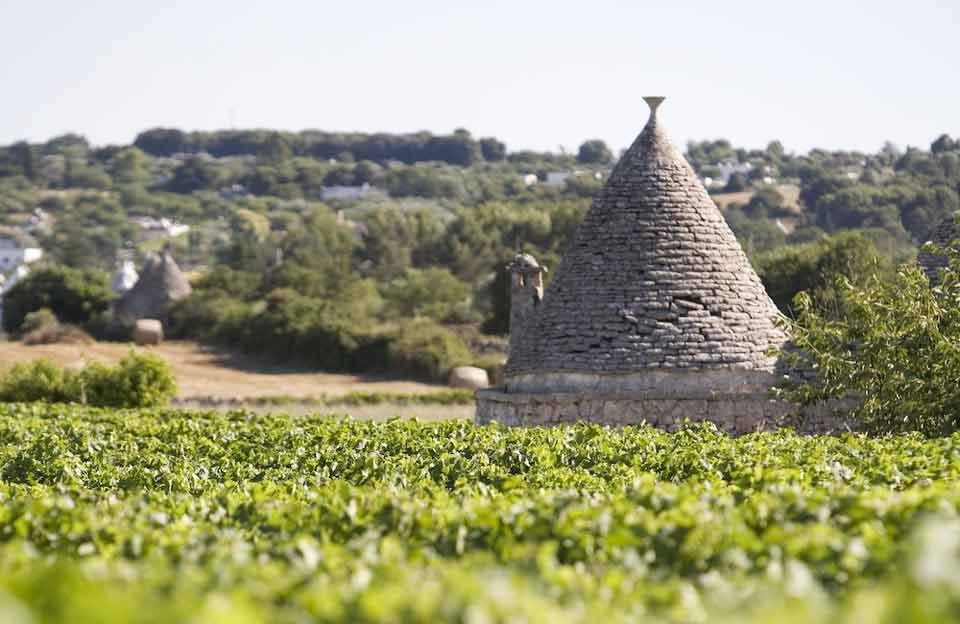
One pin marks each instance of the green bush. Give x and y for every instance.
(40, 380)
(425, 349)
(39, 320)
(433, 293)
(894, 349)
(138, 380)
(75, 296)
(814, 268)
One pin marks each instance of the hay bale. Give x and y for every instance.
(469, 377)
(147, 332)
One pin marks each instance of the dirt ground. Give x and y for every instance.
(206, 372)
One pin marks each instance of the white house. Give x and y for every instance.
(160, 227)
(17, 249)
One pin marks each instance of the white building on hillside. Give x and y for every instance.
(17, 250)
(351, 192)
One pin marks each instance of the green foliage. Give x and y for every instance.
(814, 268)
(138, 380)
(894, 350)
(194, 174)
(594, 152)
(40, 380)
(160, 516)
(424, 349)
(73, 295)
(39, 320)
(767, 201)
(432, 293)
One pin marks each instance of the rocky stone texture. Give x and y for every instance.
(946, 232)
(654, 279)
(736, 414)
(161, 283)
(526, 293)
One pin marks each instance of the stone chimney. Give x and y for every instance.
(526, 292)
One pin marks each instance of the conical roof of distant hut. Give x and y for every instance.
(654, 279)
(160, 283)
(946, 232)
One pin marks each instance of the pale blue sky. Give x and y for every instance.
(834, 74)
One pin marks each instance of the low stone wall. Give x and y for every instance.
(734, 413)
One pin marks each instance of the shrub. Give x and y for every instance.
(138, 380)
(40, 380)
(425, 349)
(42, 327)
(39, 319)
(895, 349)
(73, 295)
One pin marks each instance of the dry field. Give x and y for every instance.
(790, 192)
(205, 372)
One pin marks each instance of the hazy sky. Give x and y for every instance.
(834, 74)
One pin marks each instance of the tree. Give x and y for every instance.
(594, 152)
(736, 183)
(943, 144)
(433, 293)
(498, 290)
(774, 151)
(894, 351)
(73, 295)
(129, 166)
(194, 174)
(767, 201)
(493, 150)
(814, 268)
(162, 141)
(24, 159)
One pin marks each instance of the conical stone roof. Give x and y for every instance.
(654, 279)
(160, 283)
(944, 234)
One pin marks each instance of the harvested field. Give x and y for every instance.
(790, 192)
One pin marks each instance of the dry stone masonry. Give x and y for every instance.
(654, 312)
(946, 232)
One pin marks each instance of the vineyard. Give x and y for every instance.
(175, 516)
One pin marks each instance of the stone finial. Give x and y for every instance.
(525, 263)
(654, 101)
